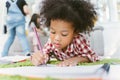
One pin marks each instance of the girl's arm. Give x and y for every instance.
(85, 50)
(42, 58)
(73, 61)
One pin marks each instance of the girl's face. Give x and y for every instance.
(38, 20)
(61, 34)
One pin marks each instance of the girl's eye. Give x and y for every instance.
(64, 34)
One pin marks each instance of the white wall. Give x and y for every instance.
(111, 35)
(97, 41)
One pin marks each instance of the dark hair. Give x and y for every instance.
(34, 19)
(80, 13)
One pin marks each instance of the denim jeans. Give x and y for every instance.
(19, 30)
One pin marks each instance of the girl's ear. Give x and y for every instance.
(75, 33)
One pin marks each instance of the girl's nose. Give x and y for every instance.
(57, 38)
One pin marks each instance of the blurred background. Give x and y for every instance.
(105, 39)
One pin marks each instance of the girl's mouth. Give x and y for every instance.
(57, 45)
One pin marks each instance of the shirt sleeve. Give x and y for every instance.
(85, 50)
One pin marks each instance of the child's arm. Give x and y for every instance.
(84, 49)
(73, 61)
(41, 58)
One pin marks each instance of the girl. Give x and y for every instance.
(36, 30)
(67, 20)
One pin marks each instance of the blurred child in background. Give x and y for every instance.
(35, 24)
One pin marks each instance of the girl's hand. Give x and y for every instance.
(72, 61)
(38, 58)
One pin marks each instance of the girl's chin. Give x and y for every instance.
(58, 48)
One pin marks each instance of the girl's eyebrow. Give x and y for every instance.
(65, 30)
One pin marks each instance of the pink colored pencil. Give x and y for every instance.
(37, 37)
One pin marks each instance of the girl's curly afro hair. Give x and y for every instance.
(80, 13)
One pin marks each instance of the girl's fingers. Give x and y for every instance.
(38, 58)
(63, 64)
(34, 61)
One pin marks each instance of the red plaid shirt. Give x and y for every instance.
(78, 47)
